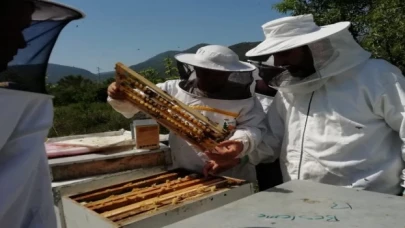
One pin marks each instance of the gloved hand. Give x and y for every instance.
(225, 151)
(214, 167)
(114, 92)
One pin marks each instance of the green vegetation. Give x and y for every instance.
(81, 108)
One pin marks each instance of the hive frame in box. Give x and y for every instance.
(78, 215)
(168, 111)
(77, 186)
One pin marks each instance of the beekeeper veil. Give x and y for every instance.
(215, 72)
(28, 31)
(331, 49)
(27, 68)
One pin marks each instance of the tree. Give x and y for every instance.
(152, 75)
(386, 37)
(80, 104)
(74, 80)
(108, 81)
(171, 71)
(378, 25)
(74, 89)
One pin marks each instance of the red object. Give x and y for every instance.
(60, 150)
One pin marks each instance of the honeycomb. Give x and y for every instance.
(148, 195)
(189, 124)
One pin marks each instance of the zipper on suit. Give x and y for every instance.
(303, 136)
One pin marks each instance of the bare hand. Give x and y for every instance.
(226, 150)
(214, 167)
(114, 92)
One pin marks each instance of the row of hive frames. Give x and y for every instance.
(129, 199)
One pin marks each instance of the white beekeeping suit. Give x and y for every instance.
(265, 102)
(268, 172)
(342, 125)
(238, 112)
(26, 112)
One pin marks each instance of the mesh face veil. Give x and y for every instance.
(331, 56)
(215, 84)
(27, 70)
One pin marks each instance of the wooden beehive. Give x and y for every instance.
(152, 201)
(107, 161)
(145, 133)
(168, 111)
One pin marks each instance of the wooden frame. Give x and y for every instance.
(77, 215)
(168, 111)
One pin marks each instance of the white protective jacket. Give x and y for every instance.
(345, 129)
(245, 115)
(25, 186)
(265, 101)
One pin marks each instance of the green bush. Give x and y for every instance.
(81, 107)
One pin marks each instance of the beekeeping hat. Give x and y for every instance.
(50, 10)
(28, 68)
(291, 32)
(332, 48)
(221, 59)
(215, 57)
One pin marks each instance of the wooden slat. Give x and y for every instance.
(210, 135)
(139, 195)
(99, 167)
(124, 70)
(147, 195)
(168, 200)
(103, 193)
(171, 195)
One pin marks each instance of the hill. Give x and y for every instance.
(156, 62)
(241, 48)
(56, 72)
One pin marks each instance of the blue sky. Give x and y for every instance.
(114, 30)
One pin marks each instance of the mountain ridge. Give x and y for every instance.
(56, 71)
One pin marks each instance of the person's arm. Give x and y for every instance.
(390, 104)
(236, 150)
(269, 148)
(127, 109)
(123, 106)
(249, 128)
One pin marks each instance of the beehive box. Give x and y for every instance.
(305, 204)
(153, 201)
(145, 133)
(77, 186)
(108, 161)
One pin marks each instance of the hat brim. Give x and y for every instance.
(233, 67)
(275, 45)
(48, 10)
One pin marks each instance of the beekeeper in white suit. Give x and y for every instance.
(338, 117)
(214, 82)
(29, 30)
(268, 172)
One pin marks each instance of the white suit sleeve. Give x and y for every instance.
(126, 108)
(269, 148)
(249, 129)
(390, 105)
